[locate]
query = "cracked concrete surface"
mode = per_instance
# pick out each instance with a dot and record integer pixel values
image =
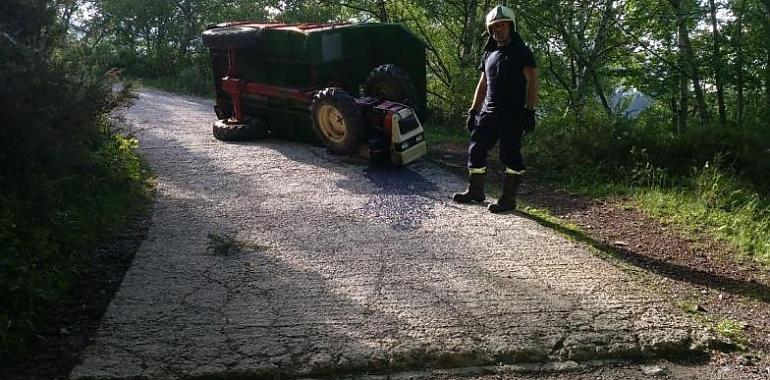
(361, 270)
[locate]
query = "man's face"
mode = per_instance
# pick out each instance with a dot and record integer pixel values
(501, 32)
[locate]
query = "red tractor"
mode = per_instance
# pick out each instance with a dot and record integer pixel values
(356, 88)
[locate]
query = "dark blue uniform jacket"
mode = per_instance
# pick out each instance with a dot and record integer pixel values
(506, 84)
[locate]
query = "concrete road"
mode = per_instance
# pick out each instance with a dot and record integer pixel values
(347, 269)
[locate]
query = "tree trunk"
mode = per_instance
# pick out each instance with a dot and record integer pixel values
(675, 115)
(66, 9)
(739, 64)
(717, 64)
(684, 88)
(684, 95)
(602, 35)
(382, 12)
(767, 48)
(469, 33)
(587, 60)
(600, 93)
(188, 26)
(688, 61)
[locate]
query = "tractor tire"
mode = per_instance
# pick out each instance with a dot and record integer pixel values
(231, 37)
(226, 111)
(337, 121)
(389, 82)
(239, 132)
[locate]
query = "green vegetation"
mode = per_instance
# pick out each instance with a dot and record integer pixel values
(68, 181)
(735, 216)
(437, 134)
(707, 181)
(226, 245)
(186, 82)
(734, 330)
(688, 307)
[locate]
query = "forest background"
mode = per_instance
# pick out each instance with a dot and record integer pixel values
(697, 153)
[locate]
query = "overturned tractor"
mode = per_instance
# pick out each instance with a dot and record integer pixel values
(359, 89)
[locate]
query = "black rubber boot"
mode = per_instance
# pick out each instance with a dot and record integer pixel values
(475, 192)
(507, 201)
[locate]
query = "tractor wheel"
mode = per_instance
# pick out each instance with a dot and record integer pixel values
(389, 82)
(239, 132)
(231, 37)
(337, 121)
(226, 111)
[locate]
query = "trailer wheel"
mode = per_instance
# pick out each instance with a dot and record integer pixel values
(253, 130)
(231, 37)
(337, 121)
(225, 111)
(389, 82)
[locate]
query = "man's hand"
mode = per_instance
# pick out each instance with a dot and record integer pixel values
(528, 119)
(470, 121)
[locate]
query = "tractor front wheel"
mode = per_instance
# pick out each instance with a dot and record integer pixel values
(337, 121)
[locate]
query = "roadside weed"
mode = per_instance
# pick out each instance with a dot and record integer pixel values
(437, 134)
(687, 306)
(733, 330)
(718, 205)
(226, 245)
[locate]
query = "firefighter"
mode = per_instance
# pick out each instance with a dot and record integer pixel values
(503, 109)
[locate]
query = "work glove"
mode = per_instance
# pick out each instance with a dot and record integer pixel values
(528, 120)
(470, 122)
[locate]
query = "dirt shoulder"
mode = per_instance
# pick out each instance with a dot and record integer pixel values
(56, 349)
(700, 275)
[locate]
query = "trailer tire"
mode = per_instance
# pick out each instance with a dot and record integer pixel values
(231, 37)
(337, 121)
(239, 132)
(390, 82)
(225, 111)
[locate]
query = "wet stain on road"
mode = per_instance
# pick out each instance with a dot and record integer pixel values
(402, 199)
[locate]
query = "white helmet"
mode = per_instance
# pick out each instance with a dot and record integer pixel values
(501, 13)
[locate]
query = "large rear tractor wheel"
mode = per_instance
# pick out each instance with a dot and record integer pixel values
(389, 82)
(337, 121)
(254, 129)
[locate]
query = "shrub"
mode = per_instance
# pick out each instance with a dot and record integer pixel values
(66, 179)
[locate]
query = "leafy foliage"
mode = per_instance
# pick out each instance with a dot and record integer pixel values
(65, 178)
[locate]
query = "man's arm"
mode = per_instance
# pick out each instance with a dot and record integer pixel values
(532, 87)
(481, 92)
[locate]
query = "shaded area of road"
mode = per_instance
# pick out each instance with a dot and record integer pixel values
(348, 268)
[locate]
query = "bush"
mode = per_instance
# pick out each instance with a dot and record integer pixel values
(638, 150)
(66, 179)
(710, 179)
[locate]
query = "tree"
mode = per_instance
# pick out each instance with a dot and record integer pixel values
(583, 36)
(717, 63)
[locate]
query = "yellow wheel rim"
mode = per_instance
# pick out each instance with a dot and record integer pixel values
(332, 123)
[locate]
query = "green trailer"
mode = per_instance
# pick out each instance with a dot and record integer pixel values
(345, 85)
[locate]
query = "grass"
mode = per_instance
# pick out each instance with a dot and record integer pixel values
(734, 330)
(46, 251)
(731, 329)
(711, 202)
(687, 306)
(227, 245)
(437, 134)
(188, 82)
(744, 226)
